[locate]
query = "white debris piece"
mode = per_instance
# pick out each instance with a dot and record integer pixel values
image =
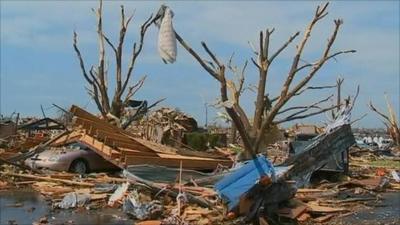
(73, 199)
(395, 176)
(118, 194)
(166, 38)
(343, 117)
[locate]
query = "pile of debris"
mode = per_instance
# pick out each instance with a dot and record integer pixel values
(140, 199)
(165, 126)
(344, 195)
(163, 185)
(19, 135)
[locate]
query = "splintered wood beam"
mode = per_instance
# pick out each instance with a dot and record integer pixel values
(121, 149)
(98, 146)
(34, 177)
(126, 151)
(115, 140)
(81, 114)
(90, 125)
(67, 138)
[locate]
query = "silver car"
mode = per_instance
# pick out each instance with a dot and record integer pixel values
(75, 157)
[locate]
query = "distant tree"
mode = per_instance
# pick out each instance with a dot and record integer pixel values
(267, 108)
(97, 76)
(389, 121)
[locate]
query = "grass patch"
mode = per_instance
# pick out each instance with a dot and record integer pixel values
(386, 163)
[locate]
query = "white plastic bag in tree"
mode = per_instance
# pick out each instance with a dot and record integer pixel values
(166, 38)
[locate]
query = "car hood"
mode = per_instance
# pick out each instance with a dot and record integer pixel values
(54, 152)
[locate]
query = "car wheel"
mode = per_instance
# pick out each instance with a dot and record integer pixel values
(79, 166)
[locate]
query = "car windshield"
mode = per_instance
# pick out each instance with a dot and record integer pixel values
(77, 145)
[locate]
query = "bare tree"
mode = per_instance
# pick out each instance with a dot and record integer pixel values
(266, 108)
(97, 77)
(389, 121)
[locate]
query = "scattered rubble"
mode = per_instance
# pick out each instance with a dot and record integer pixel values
(253, 190)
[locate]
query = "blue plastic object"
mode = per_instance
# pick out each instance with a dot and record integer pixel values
(234, 185)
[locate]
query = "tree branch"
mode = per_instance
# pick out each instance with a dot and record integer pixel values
(211, 54)
(283, 47)
(110, 43)
(372, 107)
(285, 94)
(266, 42)
(319, 14)
(219, 75)
(100, 68)
(305, 116)
(137, 49)
(355, 97)
(314, 105)
(321, 62)
(197, 57)
(356, 120)
(133, 89)
(81, 62)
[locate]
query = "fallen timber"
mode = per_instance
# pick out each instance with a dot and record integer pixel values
(42, 178)
(120, 148)
(123, 150)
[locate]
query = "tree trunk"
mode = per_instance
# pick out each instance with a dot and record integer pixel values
(233, 132)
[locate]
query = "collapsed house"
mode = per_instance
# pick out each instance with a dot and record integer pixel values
(7, 128)
(122, 149)
(25, 133)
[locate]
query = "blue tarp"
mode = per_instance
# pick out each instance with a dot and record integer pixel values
(234, 185)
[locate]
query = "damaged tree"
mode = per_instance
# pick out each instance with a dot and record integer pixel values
(97, 77)
(268, 108)
(389, 121)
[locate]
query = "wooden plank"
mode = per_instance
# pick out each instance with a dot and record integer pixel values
(98, 146)
(114, 141)
(157, 147)
(245, 205)
(101, 129)
(171, 156)
(125, 151)
(111, 136)
(324, 209)
(76, 111)
(67, 138)
(262, 221)
(69, 182)
(303, 217)
(114, 158)
(309, 190)
(83, 123)
(123, 143)
(80, 113)
(292, 213)
(90, 124)
(149, 222)
(118, 141)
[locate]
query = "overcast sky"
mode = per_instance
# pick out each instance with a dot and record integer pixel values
(39, 66)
